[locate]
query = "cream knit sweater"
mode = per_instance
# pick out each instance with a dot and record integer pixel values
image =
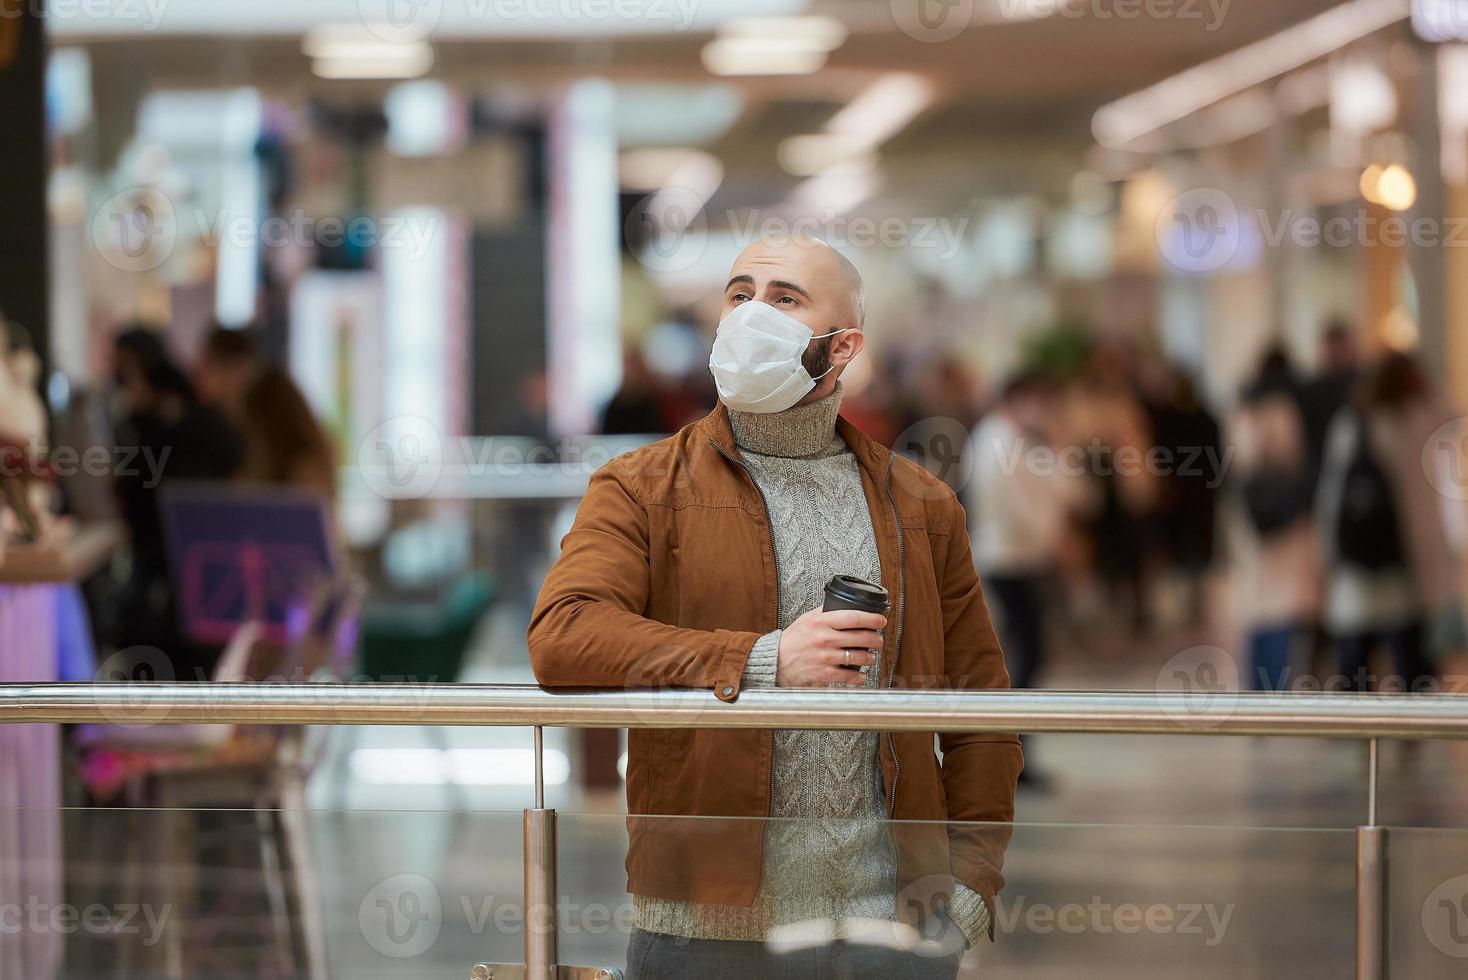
(828, 860)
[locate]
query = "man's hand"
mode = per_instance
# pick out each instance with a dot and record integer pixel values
(814, 648)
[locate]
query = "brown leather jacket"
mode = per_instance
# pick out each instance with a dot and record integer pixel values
(667, 578)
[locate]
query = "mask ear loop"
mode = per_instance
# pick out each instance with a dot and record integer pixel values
(822, 337)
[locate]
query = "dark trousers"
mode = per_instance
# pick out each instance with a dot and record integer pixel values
(1021, 603)
(1271, 656)
(1405, 643)
(654, 956)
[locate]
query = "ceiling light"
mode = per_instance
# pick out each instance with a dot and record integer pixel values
(413, 64)
(658, 167)
(814, 32)
(883, 109)
(353, 51)
(761, 56)
(811, 153)
(835, 191)
(1171, 99)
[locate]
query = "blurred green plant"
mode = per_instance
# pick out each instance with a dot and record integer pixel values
(1061, 350)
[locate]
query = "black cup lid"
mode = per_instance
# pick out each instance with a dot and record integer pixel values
(854, 589)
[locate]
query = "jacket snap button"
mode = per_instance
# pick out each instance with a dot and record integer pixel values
(728, 691)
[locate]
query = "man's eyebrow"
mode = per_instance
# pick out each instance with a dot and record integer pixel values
(743, 279)
(784, 284)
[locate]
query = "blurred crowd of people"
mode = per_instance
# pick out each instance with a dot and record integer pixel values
(1304, 517)
(231, 415)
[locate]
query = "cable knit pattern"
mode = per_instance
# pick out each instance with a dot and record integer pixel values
(828, 855)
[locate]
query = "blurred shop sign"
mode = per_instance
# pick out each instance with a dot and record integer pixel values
(484, 182)
(1440, 20)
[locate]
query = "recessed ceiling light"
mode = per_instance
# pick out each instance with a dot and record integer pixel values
(761, 56)
(811, 153)
(815, 32)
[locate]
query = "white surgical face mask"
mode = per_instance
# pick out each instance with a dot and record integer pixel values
(756, 359)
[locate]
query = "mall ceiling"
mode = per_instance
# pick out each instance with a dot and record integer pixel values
(1014, 97)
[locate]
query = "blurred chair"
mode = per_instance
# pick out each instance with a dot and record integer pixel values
(177, 769)
(424, 641)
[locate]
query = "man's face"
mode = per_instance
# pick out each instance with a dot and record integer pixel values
(802, 281)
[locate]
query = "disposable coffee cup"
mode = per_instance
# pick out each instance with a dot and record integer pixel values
(850, 592)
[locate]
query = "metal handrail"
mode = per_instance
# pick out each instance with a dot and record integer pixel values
(1366, 717)
(1347, 716)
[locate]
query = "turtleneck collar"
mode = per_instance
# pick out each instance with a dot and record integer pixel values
(805, 430)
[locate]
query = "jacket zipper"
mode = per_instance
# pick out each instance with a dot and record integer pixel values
(775, 558)
(897, 646)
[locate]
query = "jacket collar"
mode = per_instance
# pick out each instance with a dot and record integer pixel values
(870, 454)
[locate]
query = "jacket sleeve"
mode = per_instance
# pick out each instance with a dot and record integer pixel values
(980, 771)
(590, 627)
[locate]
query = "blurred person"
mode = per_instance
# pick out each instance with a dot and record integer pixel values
(1019, 506)
(1277, 577)
(1121, 434)
(284, 443)
(701, 562)
(876, 409)
(1018, 511)
(1390, 562)
(675, 353)
(1187, 522)
(228, 361)
(635, 408)
(22, 410)
(1324, 395)
(24, 425)
(167, 435)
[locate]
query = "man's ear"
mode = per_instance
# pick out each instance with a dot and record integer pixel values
(846, 346)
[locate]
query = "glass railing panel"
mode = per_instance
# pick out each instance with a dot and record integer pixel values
(146, 893)
(1093, 901)
(1427, 899)
(141, 893)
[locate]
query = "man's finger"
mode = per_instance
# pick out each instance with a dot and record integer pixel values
(853, 619)
(858, 658)
(856, 639)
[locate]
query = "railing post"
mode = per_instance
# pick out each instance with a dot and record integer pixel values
(540, 878)
(1371, 869)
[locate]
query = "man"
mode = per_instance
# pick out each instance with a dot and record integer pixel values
(700, 561)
